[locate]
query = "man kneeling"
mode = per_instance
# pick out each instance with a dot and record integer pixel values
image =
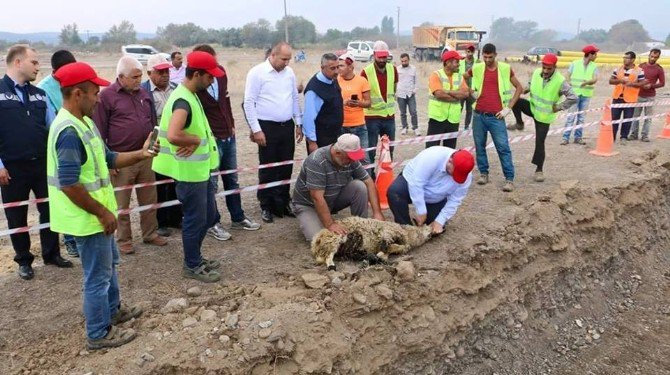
(331, 179)
(435, 182)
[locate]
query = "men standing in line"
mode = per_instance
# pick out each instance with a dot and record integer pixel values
(546, 88)
(188, 155)
(125, 116)
(177, 70)
(356, 97)
(273, 113)
(332, 179)
(216, 103)
(54, 104)
(447, 89)
(82, 202)
(492, 83)
(655, 77)
(408, 83)
(160, 88)
(24, 127)
(464, 66)
(435, 182)
(383, 78)
(627, 81)
(583, 75)
(324, 109)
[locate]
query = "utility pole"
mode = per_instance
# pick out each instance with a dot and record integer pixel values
(579, 24)
(285, 23)
(397, 38)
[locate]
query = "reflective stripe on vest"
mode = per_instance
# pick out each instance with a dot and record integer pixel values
(629, 93)
(504, 83)
(580, 75)
(439, 110)
(379, 106)
(544, 96)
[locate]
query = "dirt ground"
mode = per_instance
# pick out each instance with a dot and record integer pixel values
(569, 276)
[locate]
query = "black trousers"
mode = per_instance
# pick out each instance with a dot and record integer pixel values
(521, 106)
(441, 127)
(399, 201)
(627, 113)
(280, 146)
(541, 130)
(167, 216)
(27, 176)
(467, 105)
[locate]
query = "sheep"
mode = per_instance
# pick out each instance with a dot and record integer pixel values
(367, 239)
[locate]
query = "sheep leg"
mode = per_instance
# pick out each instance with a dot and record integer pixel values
(330, 263)
(397, 249)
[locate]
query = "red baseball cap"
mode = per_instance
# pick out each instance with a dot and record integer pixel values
(470, 47)
(205, 61)
(463, 164)
(382, 53)
(550, 59)
(448, 55)
(77, 72)
(590, 49)
(351, 144)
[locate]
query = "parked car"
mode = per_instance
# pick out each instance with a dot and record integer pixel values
(533, 54)
(142, 52)
(363, 51)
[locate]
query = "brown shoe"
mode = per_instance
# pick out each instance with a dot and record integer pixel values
(125, 313)
(127, 248)
(115, 337)
(157, 241)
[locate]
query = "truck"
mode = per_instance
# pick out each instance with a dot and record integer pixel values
(429, 42)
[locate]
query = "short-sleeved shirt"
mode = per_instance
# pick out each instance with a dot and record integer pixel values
(183, 104)
(489, 100)
(353, 116)
(319, 172)
(381, 79)
(435, 83)
(627, 73)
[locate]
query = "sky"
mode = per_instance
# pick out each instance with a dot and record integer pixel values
(147, 15)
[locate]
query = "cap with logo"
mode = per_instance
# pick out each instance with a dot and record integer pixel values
(157, 62)
(78, 72)
(351, 144)
(204, 61)
(463, 165)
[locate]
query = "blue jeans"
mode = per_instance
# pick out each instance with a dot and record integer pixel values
(68, 239)
(483, 124)
(99, 261)
(410, 102)
(361, 132)
(199, 207)
(581, 105)
(228, 160)
(377, 128)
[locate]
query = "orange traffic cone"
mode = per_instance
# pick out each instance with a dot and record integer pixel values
(605, 142)
(384, 172)
(665, 134)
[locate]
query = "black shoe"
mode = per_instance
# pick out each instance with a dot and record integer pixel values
(59, 262)
(288, 211)
(164, 231)
(266, 216)
(26, 272)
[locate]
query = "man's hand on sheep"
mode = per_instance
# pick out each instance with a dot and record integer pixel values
(420, 219)
(437, 227)
(337, 229)
(379, 216)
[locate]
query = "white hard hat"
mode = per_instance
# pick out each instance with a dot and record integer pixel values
(380, 45)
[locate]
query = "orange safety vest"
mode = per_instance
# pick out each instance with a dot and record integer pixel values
(629, 93)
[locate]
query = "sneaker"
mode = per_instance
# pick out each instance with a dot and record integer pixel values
(539, 176)
(579, 141)
(246, 224)
(483, 179)
(566, 141)
(218, 232)
(417, 132)
(201, 273)
(403, 131)
(71, 249)
(508, 186)
(115, 337)
(126, 313)
(644, 139)
(211, 264)
(632, 137)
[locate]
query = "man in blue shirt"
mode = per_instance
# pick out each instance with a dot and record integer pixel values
(436, 181)
(324, 110)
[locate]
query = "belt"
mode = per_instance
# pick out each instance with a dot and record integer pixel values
(280, 123)
(488, 114)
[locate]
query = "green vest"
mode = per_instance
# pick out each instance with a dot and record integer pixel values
(504, 83)
(66, 217)
(580, 75)
(381, 107)
(439, 110)
(194, 168)
(544, 96)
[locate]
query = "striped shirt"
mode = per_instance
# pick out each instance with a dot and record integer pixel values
(318, 172)
(627, 73)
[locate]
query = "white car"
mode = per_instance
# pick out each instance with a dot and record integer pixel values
(142, 52)
(362, 50)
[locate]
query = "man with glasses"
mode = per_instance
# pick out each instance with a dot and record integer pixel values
(627, 81)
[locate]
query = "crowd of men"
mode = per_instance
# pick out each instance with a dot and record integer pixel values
(67, 140)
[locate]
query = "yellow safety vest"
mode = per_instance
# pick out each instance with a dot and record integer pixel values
(580, 75)
(504, 83)
(381, 106)
(544, 96)
(439, 110)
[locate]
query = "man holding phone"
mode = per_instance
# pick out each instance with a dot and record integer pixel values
(356, 96)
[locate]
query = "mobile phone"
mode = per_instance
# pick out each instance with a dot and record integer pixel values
(153, 139)
(354, 97)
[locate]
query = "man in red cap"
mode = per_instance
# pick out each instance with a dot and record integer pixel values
(546, 88)
(446, 88)
(435, 182)
(331, 179)
(464, 66)
(583, 75)
(188, 155)
(82, 202)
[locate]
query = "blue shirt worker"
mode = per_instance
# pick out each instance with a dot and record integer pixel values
(436, 181)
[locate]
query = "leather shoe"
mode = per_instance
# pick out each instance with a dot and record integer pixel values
(26, 272)
(59, 262)
(288, 211)
(157, 241)
(266, 215)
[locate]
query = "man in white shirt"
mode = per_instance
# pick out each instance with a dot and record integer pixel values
(177, 70)
(407, 86)
(436, 181)
(273, 113)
